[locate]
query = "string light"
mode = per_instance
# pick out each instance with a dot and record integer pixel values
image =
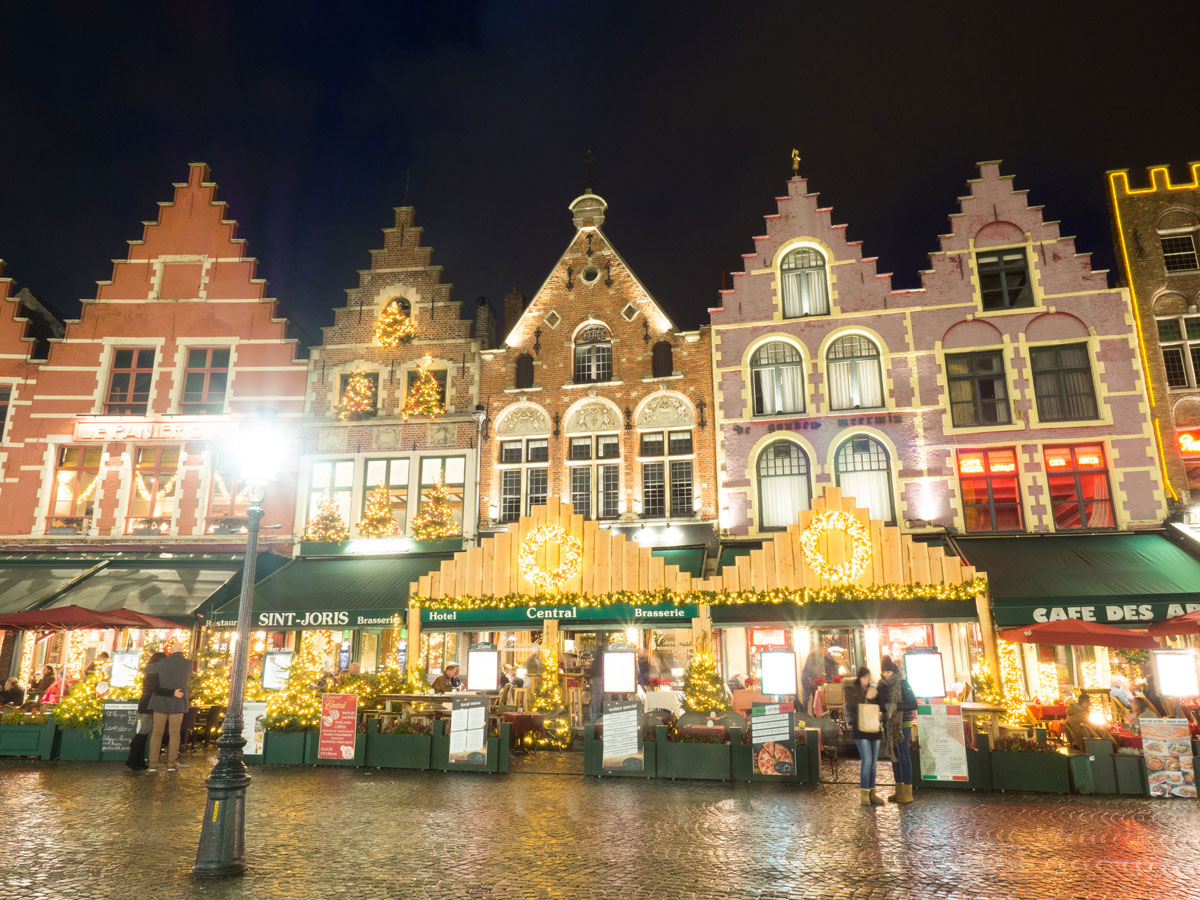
(703, 691)
(298, 706)
(425, 396)
(436, 516)
(377, 520)
(860, 543)
(394, 326)
(144, 492)
(327, 526)
(570, 547)
(1048, 681)
(358, 398)
(548, 700)
(27, 651)
(1091, 674)
(1015, 712)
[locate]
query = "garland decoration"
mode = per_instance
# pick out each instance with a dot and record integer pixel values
(570, 547)
(394, 326)
(860, 545)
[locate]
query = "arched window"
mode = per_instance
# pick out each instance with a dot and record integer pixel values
(864, 472)
(405, 306)
(777, 379)
(593, 355)
(524, 373)
(783, 485)
(805, 291)
(661, 364)
(855, 373)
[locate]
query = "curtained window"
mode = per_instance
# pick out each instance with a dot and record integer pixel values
(777, 379)
(783, 485)
(805, 287)
(593, 355)
(1062, 383)
(864, 472)
(855, 373)
(1079, 489)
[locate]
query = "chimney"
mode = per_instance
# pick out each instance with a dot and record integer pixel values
(484, 328)
(514, 305)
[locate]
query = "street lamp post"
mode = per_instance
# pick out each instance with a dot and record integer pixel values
(222, 844)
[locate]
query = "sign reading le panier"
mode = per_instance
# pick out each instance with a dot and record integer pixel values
(1108, 613)
(621, 612)
(134, 428)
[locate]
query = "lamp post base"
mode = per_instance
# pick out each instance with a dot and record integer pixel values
(222, 848)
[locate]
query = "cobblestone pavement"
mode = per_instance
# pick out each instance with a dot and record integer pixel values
(94, 830)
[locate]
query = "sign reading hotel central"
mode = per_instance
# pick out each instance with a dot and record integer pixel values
(620, 612)
(127, 428)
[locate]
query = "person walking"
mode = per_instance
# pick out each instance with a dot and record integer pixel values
(173, 673)
(136, 759)
(863, 715)
(899, 705)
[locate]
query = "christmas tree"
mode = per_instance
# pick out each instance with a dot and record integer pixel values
(425, 396)
(548, 700)
(436, 518)
(298, 706)
(394, 326)
(358, 398)
(377, 520)
(703, 691)
(327, 526)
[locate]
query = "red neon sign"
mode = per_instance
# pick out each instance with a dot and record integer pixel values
(1189, 442)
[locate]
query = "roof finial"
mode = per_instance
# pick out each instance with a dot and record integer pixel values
(795, 162)
(588, 160)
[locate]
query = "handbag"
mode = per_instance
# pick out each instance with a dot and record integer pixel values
(868, 718)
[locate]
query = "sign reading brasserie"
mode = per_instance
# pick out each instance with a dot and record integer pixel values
(1111, 613)
(133, 428)
(618, 611)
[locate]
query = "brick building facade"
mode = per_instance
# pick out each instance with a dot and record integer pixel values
(1005, 395)
(347, 459)
(1156, 226)
(595, 396)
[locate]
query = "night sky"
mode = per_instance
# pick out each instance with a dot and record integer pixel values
(316, 124)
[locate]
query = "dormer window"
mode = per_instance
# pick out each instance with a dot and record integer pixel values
(593, 355)
(805, 286)
(1004, 279)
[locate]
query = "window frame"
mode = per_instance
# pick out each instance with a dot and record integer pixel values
(1059, 372)
(588, 366)
(314, 494)
(523, 372)
(159, 507)
(786, 270)
(528, 464)
(1188, 348)
(461, 487)
(130, 406)
(441, 376)
(369, 485)
(762, 458)
(671, 475)
(838, 471)
(203, 407)
(1076, 471)
(87, 496)
(1189, 236)
(344, 379)
(774, 368)
(977, 401)
(831, 361)
(989, 477)
(1008, 301)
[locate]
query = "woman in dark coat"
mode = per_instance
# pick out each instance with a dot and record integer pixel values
(137, 747)
(861, 692)
(44, 683)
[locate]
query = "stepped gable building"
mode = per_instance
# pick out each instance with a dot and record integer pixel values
(1156, 226)
(596, 397)
(348, 454)
(1005, 395)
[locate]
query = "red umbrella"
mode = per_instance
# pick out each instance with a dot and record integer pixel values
(1077, 633)
(67, 618)
(1188, 623)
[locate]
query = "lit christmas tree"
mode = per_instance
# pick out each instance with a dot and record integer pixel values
(703, 691)
(327, 526)
(436, 518)
(358, 398)
(298, 706)
(548, 700)
(425, 396)
(377, 520)
(394, 326)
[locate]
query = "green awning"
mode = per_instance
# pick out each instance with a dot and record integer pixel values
(333, 592)
(849, 612)
(1119, 579)
(689, 559)
(24, 586)
(169, 591)
(731, 552)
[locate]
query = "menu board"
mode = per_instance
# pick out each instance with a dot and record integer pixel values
(778, 672)
(253, 729)
(1167, 746)
(1175, 672)
(622, 744)
(119, 726)
(124, 668)
(925, 675)
(483, 667)
(620, 672)
(773, 738)
(339, 721)
(943, 742)
(275, 670)
(468, 732)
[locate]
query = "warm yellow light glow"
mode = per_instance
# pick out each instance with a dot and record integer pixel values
(860, 541)
(570, 549)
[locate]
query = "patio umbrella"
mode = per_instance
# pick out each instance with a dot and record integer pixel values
(1076, 633)
(68, 618)
(1188, 623)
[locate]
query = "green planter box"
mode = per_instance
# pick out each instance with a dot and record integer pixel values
(742, 759)
(74, 744)
(287, 748)
(1131, 775)
(27, 740)
(711, 762)
(593, 759)
(1044, 772)
(1080, 766)
(360, 752)
(396, 751)
(498, 749)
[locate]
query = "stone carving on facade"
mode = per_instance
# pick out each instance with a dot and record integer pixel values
(524, 419)
(593, 417)
(442, 435)
(332, 440)
(665, 411)
(387, 437)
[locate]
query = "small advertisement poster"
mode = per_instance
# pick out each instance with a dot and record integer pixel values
(124, 668)
(252, 726)
(622, 745)
(275, 670)
(773, 738)
(119, 726)
(468, 732)
(943, 742)
(339, 721)
(1167, 746)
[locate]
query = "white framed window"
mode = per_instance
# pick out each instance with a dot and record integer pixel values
(1179, 338)
(392, 474)
(777, 379)
(855, 373)
(593, 355)
(804, 283)
(667, 474)
(864, 471)
(784, 487)
(1179, 253)
(595, 485)
(524, 476)
(336, 478)
(453, 471)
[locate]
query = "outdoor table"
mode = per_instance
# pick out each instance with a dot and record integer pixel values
(1128, 739)
(973, 711)
(668, 700)
(407, 701)
(522, 722)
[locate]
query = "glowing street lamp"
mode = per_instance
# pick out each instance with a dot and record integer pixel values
(259, 450)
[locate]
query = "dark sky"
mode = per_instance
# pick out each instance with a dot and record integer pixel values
(312, 121)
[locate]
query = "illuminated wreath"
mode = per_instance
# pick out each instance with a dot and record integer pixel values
(860, 545)
(569, 546)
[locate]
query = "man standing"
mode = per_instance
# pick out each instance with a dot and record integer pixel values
(173, 673)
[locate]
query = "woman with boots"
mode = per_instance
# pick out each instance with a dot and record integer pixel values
(137, 747)
(899, 706)
(863, 715)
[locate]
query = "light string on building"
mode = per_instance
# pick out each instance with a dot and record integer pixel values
(394, 326)
(570, 549)
(163, 492)
(853, 529)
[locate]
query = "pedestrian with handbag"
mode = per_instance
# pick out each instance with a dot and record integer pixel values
(899, 704)
(863, 714)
